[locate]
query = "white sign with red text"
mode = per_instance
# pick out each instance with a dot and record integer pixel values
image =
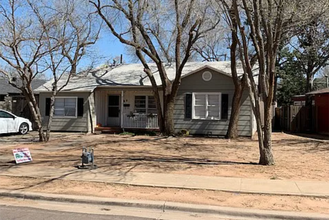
(22, 155)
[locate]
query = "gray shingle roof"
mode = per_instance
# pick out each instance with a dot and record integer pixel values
(6, 88)
(321, 91)
(130, 75)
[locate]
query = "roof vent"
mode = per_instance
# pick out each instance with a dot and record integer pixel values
(206, 76)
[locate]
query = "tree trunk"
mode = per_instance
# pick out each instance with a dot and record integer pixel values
(34, 108)
(161, 122)
(232, 132)
(264, 134)
(266, 155)
(169, 105)
(308, 99)
(50, 118)
(309, 81)
(73, 70)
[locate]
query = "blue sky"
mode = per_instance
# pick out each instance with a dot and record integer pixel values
(107, 48)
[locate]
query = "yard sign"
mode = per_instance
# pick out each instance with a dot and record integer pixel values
(22, 155)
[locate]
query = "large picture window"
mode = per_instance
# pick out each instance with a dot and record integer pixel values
(145, 105)
(206, 106)
(65, 107)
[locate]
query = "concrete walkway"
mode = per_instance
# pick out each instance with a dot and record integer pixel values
(229, 184)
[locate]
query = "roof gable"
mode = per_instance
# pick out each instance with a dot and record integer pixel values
(206, 67)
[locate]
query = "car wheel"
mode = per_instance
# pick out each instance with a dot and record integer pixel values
(24, 128)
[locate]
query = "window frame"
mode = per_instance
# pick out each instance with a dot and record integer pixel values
(146, 105)
(207, 105)
(76, 107)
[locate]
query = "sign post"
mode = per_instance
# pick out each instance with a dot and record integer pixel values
(22, 155)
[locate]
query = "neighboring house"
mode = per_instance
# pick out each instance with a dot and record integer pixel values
(11, 98)
(321, 103)
(122, 97)
(299, 100)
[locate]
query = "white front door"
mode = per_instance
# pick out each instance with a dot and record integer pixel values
(113, 111)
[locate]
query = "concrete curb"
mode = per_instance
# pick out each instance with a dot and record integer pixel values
(165, 206)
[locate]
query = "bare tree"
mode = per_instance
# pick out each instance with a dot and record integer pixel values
(21, 51)
(160, 31)
(265, 23)
(69, 28)
(81, 29)
(36, 37)
(215, 46)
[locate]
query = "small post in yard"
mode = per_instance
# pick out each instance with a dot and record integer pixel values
(87, 159)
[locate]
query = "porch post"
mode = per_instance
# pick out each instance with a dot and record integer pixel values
(121, 111)
(92, 113)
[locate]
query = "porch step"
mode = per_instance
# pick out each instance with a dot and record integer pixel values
(109, 130)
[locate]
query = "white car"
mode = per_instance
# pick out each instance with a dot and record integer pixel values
(10, 123)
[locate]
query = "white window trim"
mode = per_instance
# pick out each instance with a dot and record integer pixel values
(146, 105)
(207, 93)
(76, 107)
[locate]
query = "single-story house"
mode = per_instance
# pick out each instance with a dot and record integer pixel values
(121, 96)
(321, 103)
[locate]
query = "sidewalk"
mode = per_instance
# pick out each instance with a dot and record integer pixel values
(228, 184)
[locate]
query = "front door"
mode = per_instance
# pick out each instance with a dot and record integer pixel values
(113, 111)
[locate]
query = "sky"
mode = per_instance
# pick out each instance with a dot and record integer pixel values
(106, 48)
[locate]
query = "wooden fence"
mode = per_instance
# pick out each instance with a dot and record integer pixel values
(296, 119)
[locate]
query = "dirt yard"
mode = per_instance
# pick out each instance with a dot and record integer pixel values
(297, 158)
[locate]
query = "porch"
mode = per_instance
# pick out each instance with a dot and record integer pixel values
(126, 109)
(136, 120)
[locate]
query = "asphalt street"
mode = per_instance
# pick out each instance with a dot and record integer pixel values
(23, 213)
(25, 209)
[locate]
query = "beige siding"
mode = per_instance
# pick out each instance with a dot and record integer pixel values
(79, 124)
(101, 101)
(218, 83)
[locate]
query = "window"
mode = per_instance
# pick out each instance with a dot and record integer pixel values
(5, 115)
(151, 105)
(206, 106)
(66, 107)
(2, 98)
(145, 105)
